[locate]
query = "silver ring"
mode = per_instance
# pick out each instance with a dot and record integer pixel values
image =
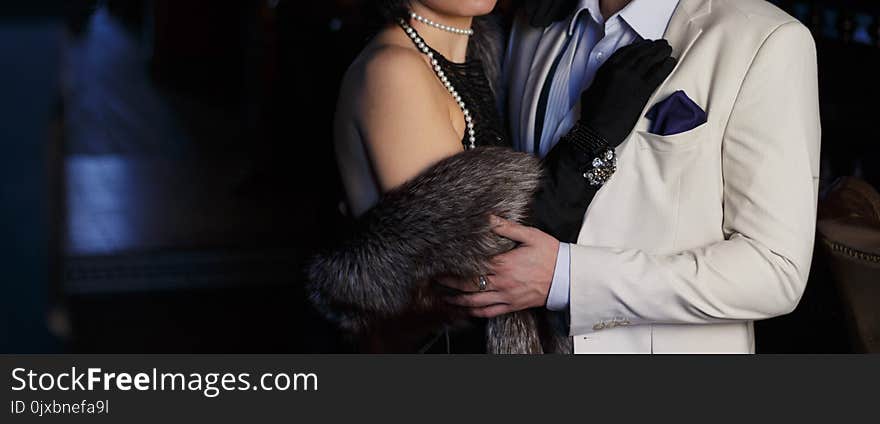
(484, 283)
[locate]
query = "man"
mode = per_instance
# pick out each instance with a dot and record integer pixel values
(707, 224)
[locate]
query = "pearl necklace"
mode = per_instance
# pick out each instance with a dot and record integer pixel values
(440, 26)
(469, 120)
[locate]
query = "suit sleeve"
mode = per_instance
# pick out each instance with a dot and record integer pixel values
(770, 155)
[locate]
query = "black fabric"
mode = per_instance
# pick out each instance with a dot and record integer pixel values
(556, 203)
(470, 340)
(612, 106)
(542, 13)
(623, 85)
(470, 81)
(564, 194)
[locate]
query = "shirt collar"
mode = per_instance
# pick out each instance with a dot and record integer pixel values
(591, 7)
(648, 18)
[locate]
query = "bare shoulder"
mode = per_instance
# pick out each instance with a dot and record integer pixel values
(386, 58)
(391, 83)
(399, 109)
(392, 73)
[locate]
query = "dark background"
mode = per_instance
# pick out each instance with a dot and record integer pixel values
(167, 169)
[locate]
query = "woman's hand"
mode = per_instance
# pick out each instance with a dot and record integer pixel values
(623, 85)
(520, 279)
(611, 108)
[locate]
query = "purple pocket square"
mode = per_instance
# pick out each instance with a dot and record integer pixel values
(675, 115)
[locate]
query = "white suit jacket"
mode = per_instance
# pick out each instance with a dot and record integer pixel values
(701, 233)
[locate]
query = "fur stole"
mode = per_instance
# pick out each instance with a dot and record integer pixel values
(436, 225)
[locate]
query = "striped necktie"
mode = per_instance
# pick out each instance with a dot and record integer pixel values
(559, 95)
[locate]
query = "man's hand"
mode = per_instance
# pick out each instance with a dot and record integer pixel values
(520, 278)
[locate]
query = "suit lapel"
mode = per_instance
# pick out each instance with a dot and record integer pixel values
(685, 28)
(683, 31)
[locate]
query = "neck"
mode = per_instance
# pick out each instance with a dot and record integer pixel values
(452, 46)
(610, 7)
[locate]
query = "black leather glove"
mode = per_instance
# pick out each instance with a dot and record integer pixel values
(622, 87)
(542, 13)
(611, 107)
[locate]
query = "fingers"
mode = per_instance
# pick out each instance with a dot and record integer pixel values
(460, 284)
(661, 71)
(627, 53)
(659, 51)
(641, 55)
(651, 60)
(476, 300)
(511, 230)
(490, 311)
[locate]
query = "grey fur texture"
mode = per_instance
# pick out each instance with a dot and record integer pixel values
(435, 225)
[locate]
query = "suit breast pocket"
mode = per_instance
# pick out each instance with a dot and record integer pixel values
(672, 143)
(667, 157)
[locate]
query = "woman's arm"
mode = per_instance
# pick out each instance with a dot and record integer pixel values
(403, 117)
(612, 106)
(435, 224)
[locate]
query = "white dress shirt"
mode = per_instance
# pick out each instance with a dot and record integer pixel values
(592, 39)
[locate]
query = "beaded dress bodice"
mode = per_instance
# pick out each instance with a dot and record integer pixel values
(470, 80)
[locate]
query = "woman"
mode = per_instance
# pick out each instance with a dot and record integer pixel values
(391, 93)
(419, 143)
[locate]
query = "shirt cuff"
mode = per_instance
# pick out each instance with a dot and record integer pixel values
(560, 295)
